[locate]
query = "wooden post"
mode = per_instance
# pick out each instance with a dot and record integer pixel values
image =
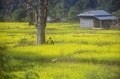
(117, 22)
(101, 24)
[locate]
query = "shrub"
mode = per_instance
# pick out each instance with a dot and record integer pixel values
(4, 65)
(22, 42)
(31, 75)
(3, 47)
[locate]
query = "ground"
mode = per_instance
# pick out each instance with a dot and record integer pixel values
(77, 53)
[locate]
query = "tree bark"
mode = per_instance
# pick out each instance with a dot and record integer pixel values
(41, 16)
(40, 34)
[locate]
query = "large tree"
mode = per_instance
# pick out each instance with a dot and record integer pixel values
(40, 20)
(40, 9)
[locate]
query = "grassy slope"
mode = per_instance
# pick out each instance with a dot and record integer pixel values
(72, 44)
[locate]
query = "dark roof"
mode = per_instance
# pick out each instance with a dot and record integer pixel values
(99, 14)
(94, 13)
(106, 17)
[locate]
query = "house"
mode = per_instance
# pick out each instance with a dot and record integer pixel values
(49, 19)
(96, 19)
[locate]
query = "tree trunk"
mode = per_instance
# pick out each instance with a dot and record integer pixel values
(40, 34)
(41, 16)
(40, 9)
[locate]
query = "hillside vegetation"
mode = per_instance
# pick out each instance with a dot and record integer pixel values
(16, 10)
(76, 54)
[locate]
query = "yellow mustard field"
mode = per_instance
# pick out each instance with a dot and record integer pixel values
(77, 53)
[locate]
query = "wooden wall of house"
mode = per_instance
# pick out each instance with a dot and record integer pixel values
(106, 24)
(96, 23)
(86, 22)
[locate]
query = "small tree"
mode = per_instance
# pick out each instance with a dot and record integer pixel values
(117, 13)
(72, 14)
(19, 15)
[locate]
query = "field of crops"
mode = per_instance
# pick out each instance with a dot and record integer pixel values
(77, 53)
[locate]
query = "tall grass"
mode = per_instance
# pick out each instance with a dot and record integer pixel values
(69, 71)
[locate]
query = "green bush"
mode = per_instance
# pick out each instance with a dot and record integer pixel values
(4, 67)
(31, 75)
(3, 47)
(19, 15)
(22, 42)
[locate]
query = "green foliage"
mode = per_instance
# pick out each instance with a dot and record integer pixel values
(3, 46)
(22, 42)
(117, 14)
(31, 75)
(74, 7)
(57, 8)
(19, 15)
(92, 4)
(1, 17)
(4, 65)
(72, 15)
(115, 5)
